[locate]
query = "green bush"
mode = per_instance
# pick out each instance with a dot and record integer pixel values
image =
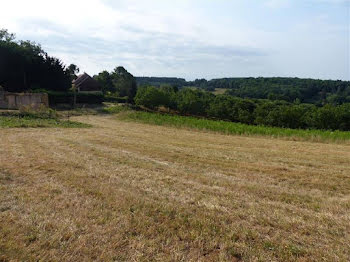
(193, 102)
(68, 98)
(60, 98)
(115, 99)
(115, 109)
(332, 117)
(90, 98)
(257, 112)
(40, 113)
(151, 97)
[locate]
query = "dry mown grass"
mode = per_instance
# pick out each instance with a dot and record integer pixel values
(133, 192)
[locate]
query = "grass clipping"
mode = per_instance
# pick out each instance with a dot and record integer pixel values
(127, 191)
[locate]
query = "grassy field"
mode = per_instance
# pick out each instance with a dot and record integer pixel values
(128, 191)
(42, 118)
(29, 122)
(233, 128)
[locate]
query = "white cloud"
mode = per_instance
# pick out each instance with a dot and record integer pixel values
(197, 38)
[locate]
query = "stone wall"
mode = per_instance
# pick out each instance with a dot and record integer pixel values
(18, 100)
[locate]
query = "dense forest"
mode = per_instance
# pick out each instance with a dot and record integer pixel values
(318, 92)
(159, 81)
(278, 113)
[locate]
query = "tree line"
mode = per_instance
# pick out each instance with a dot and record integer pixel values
(24, 66)
(312, 91)
(159, 81)
(318, 92)
(277, 113)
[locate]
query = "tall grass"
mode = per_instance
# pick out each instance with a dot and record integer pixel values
(30, 122)
(233, 128)
(115, 109)
(34, 118)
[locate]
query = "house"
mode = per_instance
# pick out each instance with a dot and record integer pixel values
(85, 83)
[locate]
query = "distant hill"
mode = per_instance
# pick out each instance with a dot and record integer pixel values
(158, 81)
(274, 88)
(279, 88)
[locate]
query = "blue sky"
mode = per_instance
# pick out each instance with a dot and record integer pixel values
(190, 38)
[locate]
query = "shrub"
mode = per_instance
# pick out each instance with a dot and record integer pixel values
(193, 102)
(68, 98)
(60, 98)
(90, 98)
(259, 112)
(41, 112)
(115, 109)
(151, 97)
(115, 99)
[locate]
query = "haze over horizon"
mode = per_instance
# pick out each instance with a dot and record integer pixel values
(190, 39)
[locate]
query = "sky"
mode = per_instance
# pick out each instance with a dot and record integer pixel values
(190, 38)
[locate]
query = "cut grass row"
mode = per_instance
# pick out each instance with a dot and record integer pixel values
(127, 191)
(30, 122)
(233, 128)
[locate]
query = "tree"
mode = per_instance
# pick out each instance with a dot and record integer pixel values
(25, 66)
(124, 83)
(73, 71)
(151, 97)
(119, 82)
(6, 36)
(194, 102)
(105, 80)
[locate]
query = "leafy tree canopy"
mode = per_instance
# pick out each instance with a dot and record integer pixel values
(189, 101)
(118, 82)
(73, 71)
(25, 66)
(318, 92)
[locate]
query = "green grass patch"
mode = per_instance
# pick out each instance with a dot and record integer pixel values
(35, 118)
(115, 109)
(32, 122)
(233, 128)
